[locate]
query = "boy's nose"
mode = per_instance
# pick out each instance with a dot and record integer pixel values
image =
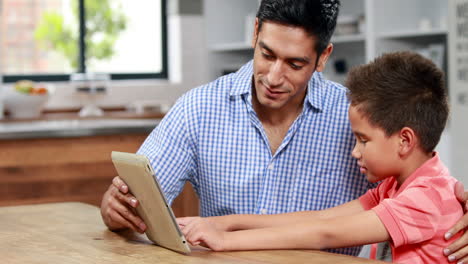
(355, 153)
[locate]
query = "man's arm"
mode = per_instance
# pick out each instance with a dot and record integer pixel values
(168, 149)
(458, 250)
(358, 229)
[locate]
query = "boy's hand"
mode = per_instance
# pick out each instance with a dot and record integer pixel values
(202, 231)
(458, 250)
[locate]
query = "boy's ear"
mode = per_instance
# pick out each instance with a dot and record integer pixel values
(407, 141)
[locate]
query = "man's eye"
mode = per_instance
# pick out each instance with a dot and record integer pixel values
(267, 56)
(295, 67)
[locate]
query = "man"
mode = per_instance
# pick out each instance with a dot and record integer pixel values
(273, 137)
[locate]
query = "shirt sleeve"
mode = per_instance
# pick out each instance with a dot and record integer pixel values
(170, 149)
(412, 216)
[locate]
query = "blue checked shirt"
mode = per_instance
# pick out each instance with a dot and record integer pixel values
(213, 138)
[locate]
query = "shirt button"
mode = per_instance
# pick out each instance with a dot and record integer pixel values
(263, 211)
(271, 166)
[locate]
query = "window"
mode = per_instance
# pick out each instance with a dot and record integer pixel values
(47, 40)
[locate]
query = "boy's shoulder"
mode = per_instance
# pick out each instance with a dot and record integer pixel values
(442, 184)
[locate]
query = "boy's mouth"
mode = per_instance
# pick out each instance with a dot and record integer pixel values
(362, 168)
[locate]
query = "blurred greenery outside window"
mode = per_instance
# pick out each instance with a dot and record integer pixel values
(41, 39)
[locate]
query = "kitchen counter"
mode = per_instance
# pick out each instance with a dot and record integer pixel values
(59, 125)
(75, 127)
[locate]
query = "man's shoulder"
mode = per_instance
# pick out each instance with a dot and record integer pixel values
(332, 94)
(336, 91)
(212, 90)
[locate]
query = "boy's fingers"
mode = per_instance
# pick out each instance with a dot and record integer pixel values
(184, 220)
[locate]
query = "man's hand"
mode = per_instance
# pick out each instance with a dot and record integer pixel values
(202, 231)
(118, 208)
(458, 250)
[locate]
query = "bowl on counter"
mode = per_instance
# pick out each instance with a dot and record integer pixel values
(23, 104)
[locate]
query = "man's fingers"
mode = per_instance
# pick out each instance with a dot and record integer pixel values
(460, 225)
(463, 260)
(116, 217)
(120, 184)
(460, 192)
(457, 249)
(124, 198)
(126, 213)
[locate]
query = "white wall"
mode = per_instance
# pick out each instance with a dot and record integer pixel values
(187, 52)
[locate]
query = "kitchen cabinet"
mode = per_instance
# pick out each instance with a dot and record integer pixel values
(63, 169)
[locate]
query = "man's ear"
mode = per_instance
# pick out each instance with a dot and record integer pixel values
(324, 58)
(255, 33)
(407, 140)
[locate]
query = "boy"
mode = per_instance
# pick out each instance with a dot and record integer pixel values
(398, 111)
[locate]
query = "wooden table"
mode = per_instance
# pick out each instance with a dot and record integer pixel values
(75, 233)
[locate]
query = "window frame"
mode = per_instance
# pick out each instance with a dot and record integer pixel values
(163, 74)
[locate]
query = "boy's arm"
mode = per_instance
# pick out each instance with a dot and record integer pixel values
(241, 222)
(358, 229)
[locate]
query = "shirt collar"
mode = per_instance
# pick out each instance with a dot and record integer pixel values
(242, 85)
(431, 167)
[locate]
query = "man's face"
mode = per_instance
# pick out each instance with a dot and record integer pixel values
(284, 61)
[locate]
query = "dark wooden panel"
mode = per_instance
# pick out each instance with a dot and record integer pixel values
(68, 169)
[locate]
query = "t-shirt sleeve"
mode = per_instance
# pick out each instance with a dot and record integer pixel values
(413, 215)
(373, 196)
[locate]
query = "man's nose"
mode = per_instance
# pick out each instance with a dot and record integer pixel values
(276, 74)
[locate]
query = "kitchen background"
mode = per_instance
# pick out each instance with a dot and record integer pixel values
(205, 38)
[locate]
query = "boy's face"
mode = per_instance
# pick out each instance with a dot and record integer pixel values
(377, 155)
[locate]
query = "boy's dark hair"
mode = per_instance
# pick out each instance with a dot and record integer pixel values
(317, 17)
(402, 89)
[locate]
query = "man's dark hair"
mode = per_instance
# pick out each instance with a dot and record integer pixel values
(401, 89)
(316, 17)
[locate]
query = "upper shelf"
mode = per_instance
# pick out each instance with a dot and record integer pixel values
(412, 33)
(348, 38)
(234, 46)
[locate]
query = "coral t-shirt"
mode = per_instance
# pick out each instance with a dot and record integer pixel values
(418, 214)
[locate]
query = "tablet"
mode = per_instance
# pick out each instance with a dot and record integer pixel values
(161, 225)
